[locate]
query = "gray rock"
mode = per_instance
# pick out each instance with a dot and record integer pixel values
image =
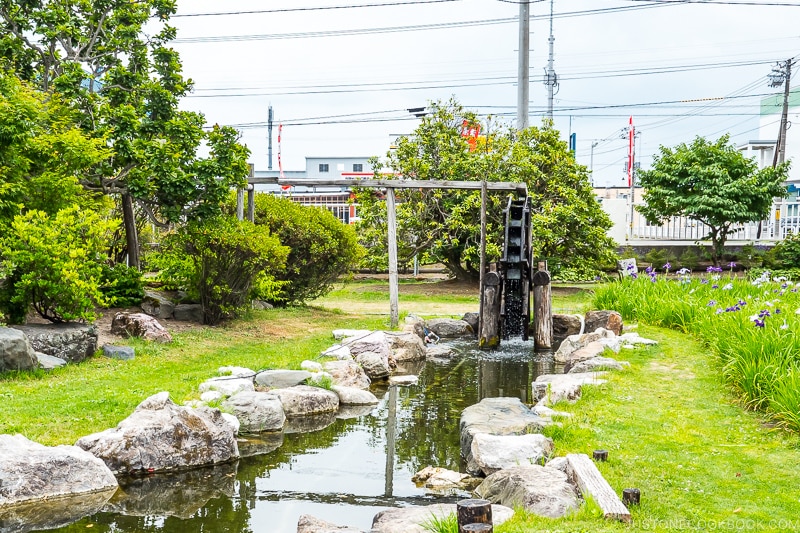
(32, 472)
(559, 463)
(189, 313)
(302, 400)
(236, 371)
(309, 423)
(308, 524)
(411, 519)
(280, 379)
(634, 338)
(233, 422)
(354, 396)
(261, 305)
(339, 352)
(590, 351)
(566, 325)
(340, 334)
(406, 346)
(610, 320)
(449, 327)
(438, 478)
(549, 389)
(311, 366)
(157, 304)
(161, 436)
(540, 490)
(416, 326)
(124, 353)
(228, 386)
(496, 416)
(597, 363)
(576, 342)
(372, 352)
(139, 325)
(71, 342)
(347, 374)
(16, 352)
(496, 452)
(48, 362)
(472, 319)
(438, 351)
(375, 364)
(256, 411)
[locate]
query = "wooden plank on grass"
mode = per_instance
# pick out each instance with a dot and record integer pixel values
(592, 483)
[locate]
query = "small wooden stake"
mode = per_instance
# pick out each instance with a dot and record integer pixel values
(483, 528)
(600, 455)
(631, 496)
(472, 512)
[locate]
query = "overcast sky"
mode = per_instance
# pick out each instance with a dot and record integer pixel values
(341, 78)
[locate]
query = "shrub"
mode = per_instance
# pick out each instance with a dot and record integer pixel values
(787, 252)
(122, 285)
(53, 264)
(221, 259)
(322, 248)
(689, 259)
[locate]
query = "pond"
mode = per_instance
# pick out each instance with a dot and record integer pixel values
(342, 470)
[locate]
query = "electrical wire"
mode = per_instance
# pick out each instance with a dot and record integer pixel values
(318, 8)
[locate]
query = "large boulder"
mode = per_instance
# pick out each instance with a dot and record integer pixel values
(496, 452)
(413, 519)
(441, 479)
(595, 364)
(189, 313)
(161, 436)
(610, 320)
(372, 352)
(449, 327)
(280, 379)
(15, 351)
(158, 305)
(574, 343)
(71, 342)
(139, 325)
(495, 416)
(473, 319)
(228, 385)
(354, 396)
(549, 389)
(406, 346)
(256, 411)
(302, 400)
(347, 374)
(540, 490)
(309, 524)
(30, 471)
(566, 325)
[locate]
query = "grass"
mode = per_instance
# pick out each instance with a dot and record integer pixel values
(60, 406)
(674, 431)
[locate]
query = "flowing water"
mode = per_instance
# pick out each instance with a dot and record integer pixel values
(342, 470)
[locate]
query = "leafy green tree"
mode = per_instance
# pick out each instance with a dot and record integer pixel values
(321, 248)
(444, 225)
(54, 264)
(111, 60)
(712, 182)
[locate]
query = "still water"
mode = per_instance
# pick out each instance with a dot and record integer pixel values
(342, 470)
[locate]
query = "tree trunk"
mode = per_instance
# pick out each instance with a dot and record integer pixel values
(131, 233)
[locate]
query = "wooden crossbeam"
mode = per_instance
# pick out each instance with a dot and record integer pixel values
(520, 188)
(592, 483)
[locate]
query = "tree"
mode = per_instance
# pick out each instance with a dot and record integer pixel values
(711, 182)
(126, 82)
(444, 225)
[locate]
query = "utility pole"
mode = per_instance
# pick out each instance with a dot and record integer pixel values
(781, 74)
(523, 74)
(591, 161)
(269, 137)
(550, 77)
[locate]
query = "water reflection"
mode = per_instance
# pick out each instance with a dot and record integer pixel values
(341, 468)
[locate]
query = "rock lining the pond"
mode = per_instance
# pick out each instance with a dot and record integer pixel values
(256, 411)
(411, 519)
(303, 400)
(347, 374)
(549, 389)
(404, 380)
(309, 524)
(161, 436)
(354, 396)
(596, 363)
(439, 352)
(539, 489)
(472, 319)
(339, 352)
(340, 334)
(573, 343)
(495, 416)
(372, 352)
(30, 472)
(566, 325)
(279, 379)
(228, 385)
(449, 327)
(492, 453)
(606, 319)
(40, 515)
(406, 346)
(309, 423)
(439, 479)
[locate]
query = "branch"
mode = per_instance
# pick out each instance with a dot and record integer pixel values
(151, 215)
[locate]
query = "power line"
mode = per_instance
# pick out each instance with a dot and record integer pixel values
(721, 2)
(319, 8)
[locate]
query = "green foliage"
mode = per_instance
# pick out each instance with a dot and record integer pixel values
(220, 259)
(321, 249)
(54, 264)
(658, 257)
(122, 285)
(786, 254)
(689, 259)
(441, 524)
(750, 256)
(322, 380)
(712, 182)
(443, 226)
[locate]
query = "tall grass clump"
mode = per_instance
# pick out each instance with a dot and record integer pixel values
(751, 327)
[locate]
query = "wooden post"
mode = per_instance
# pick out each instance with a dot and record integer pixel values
(631, 496)
(393, 281)
(542, 308)
(240, 204)
(592, 484)
(600, 455)
(473, 512)
(251, 203)
(489, 332)
(483, 253)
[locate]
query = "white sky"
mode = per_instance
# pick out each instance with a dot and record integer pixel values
(377, 76)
